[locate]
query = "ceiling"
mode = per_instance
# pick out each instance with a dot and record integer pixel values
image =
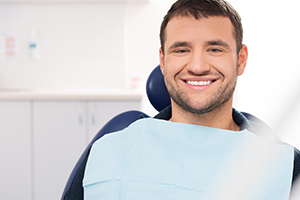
(69, 1)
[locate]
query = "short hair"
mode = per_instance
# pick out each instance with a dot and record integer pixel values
(204, 8)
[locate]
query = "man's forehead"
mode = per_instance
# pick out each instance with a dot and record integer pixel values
(217, 23)
(178, 20)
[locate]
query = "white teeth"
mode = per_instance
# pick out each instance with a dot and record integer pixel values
(198, 82)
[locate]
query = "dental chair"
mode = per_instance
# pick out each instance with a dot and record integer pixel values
(160, 99)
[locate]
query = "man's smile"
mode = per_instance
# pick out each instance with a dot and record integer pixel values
(198, 83)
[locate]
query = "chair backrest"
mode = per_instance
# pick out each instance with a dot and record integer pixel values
(156, 90)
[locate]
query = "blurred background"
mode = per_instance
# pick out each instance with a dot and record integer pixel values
(88, 60)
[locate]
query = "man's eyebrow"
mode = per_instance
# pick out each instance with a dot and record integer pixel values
(218, 43)
(179, 44)
(211, 42)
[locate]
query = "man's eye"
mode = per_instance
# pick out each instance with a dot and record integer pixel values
(215, 50)
(181, 51)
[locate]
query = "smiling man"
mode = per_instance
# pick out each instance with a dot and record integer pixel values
(199, 147)
(200, 62)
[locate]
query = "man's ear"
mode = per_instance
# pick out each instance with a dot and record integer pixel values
(161, 60)
(243, 57)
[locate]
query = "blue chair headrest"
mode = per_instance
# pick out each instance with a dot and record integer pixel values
(156, 90)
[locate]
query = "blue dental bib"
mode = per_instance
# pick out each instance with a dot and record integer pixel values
(156, 159)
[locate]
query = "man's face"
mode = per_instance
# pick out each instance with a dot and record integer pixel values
(200, 63)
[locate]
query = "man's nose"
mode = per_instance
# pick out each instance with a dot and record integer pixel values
(198, 64)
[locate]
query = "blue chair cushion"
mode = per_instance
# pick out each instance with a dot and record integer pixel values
(156, 90)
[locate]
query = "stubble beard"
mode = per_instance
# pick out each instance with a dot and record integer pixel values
(210, 104)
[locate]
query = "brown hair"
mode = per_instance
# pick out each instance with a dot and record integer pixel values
(203, 8)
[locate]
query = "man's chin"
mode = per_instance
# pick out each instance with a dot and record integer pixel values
(198, 110)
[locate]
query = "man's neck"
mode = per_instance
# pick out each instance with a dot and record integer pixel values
(221, 118)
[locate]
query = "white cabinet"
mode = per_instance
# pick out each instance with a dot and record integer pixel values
(62, 130)
(59, 129)
(15, 150)
(41, 141)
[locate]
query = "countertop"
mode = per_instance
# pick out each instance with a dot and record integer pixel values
(68, 94)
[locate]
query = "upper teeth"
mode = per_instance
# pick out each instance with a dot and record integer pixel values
(199, 82)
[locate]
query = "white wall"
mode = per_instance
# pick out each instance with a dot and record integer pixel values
(269, 88)
(142, 34)
(103, 45)
(82, 45)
